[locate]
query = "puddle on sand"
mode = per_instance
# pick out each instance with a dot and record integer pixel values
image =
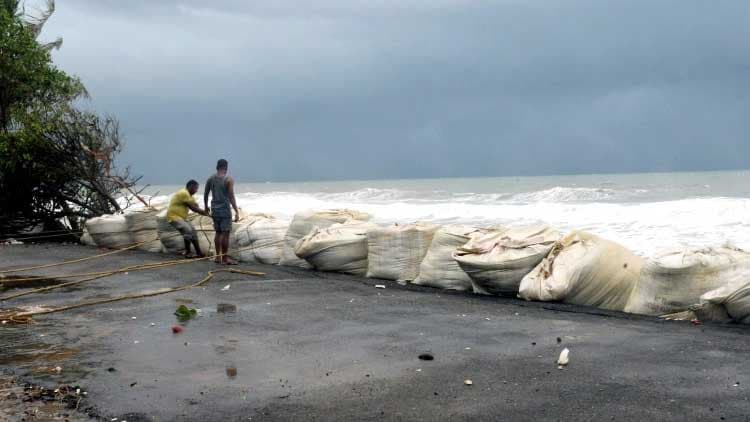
(231, 371)
(37, 356)
(22, 281)
(184, 301)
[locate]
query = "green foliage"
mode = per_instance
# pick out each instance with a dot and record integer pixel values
(28, 79)
(184, 313)
(55, 161)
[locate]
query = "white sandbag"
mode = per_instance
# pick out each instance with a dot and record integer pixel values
(204, 229)
(341, 247)
(143, 228)
(268, 239)
(673, 280)
(304, 222)
(141, 219)
(395, 252)
(86, 238)
(109, 231)
(733, 298)
(438, 268)
(497, 261)
(241, 242)
(584, 269)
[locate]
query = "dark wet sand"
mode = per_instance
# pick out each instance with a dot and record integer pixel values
(305, 345)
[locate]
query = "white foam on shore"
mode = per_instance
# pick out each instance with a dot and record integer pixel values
(644, 227)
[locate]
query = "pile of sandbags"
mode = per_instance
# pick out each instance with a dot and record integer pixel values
(109, 231)
(674, 280)
(143, 229)
(438, 268)
(340, 247)
(395, 252)
(497, 261)
(259, 238)
(584, 269)
(304, 222)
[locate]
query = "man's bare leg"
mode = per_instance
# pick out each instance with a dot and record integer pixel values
(217, 248)
(225, 248)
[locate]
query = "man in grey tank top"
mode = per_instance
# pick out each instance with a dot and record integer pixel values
(221, 188)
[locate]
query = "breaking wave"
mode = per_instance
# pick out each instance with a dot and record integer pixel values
(620, 215)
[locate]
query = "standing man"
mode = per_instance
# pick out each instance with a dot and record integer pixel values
(221, 188)
(179, 205)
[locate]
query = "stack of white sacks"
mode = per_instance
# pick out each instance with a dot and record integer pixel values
(532, 262)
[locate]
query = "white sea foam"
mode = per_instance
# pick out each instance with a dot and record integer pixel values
(642, 216)
(643, 227)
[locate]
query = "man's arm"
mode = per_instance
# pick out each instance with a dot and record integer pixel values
(230, 192)
(206, 191)
(196, 209)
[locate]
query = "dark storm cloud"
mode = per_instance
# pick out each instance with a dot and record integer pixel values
(415, 88)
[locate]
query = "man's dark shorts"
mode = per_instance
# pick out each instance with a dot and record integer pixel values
(222, 221)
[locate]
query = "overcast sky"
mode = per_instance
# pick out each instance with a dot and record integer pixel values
(359, 89)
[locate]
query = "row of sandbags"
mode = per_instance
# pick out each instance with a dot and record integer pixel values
(123, 230)
(532, 262)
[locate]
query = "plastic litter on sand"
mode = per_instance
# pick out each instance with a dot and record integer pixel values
(564, 359)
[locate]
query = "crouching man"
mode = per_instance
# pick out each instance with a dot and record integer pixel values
(180, 205)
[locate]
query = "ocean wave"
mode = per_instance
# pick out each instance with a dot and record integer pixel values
(643, 227)
(567, 194)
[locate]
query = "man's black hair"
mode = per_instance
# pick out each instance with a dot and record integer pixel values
(222, 164)
(191, 182)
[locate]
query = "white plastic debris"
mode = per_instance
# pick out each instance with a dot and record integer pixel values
(225, 288)
(468, 382)
(564, 359)
(153, 324)
(5, 322)
(380, 286)
(58, 369)
(136, 342)
(78, 391)
(133, 318)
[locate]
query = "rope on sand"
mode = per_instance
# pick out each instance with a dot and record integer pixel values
(73, 261)
(101, 274)
(26, 317)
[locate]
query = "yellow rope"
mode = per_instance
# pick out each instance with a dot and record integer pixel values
(73, 261)
(38, 237)
(25, 317)
(101, 274)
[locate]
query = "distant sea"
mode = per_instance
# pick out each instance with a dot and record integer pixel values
(645, 212)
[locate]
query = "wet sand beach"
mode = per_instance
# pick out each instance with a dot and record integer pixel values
(306, 345)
